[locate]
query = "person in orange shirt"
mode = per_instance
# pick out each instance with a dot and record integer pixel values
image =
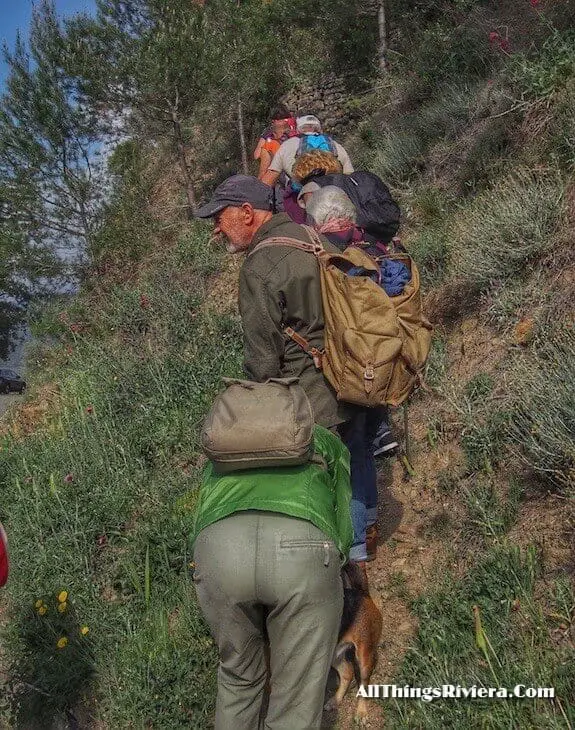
(283, 126)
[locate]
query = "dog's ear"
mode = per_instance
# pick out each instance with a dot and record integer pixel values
(355, 577)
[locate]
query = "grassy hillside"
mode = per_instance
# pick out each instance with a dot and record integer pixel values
(474, 129)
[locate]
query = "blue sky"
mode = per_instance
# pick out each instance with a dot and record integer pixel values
(15, 15)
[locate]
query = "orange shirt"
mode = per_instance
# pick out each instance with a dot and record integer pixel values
(271, 145)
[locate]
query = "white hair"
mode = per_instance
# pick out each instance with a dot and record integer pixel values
(330, 203)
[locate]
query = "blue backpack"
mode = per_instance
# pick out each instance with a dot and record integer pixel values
(313, 142)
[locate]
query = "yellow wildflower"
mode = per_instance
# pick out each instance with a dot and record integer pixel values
(42, 610)
(38, 603)
(62, 642)
(84, 630)
(62, 596)
(62, 607)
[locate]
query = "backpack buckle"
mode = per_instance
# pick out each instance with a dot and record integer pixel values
(317, 356)
(368, 376)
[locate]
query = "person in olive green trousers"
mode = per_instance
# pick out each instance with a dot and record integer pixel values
(269, 546)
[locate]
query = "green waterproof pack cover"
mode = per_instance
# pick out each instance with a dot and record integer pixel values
(253, 425)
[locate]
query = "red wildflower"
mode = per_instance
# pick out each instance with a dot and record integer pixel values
(69, 478)
(534, 3)
(144, 301)
(498, 41)
(89, 409)
(75, 328)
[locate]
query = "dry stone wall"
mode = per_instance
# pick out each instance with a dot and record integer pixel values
(328, 98)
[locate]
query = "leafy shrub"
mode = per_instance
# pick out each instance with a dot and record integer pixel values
(540, 75)
(500, 232)
(452, 51)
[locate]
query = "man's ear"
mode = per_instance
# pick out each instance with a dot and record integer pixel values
(248, 213)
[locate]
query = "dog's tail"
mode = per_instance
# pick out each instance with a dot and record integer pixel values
(346, 652)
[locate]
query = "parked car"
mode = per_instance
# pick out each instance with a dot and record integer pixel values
(11, 382)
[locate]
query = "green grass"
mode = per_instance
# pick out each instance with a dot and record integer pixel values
(437, 362)
(99, 501)
(430, 250)
(491, 513)
(105, 493)
(503, 231)
(542, 428)
(399, 153)
(519, 651)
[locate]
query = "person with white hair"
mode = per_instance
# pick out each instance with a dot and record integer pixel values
(331, 212)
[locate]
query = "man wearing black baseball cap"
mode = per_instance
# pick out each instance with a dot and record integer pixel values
(279, 289)
(239, 207)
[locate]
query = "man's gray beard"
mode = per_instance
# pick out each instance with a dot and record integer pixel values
(235, 247)
(231, 247)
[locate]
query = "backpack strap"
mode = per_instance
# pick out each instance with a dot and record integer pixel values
(301, 145)
(315, 354)
(317, 249)
(285, 241)
(332, 147)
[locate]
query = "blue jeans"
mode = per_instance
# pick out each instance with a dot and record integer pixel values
(358, 434)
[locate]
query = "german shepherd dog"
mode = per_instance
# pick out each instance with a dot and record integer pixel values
(356, 653)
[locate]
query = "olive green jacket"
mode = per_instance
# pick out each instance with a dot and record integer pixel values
(310, 492)
(280, 287)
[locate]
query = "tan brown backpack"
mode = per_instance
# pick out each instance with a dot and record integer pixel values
(375, 346)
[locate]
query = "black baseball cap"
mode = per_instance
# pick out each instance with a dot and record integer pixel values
(235, 191)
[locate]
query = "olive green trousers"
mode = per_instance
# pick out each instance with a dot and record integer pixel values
(265, 576)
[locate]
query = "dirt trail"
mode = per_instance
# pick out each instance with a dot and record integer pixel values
(409, 553)
(5, 402)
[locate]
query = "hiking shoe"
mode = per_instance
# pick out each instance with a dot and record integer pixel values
(384, 444)
(371, 535)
